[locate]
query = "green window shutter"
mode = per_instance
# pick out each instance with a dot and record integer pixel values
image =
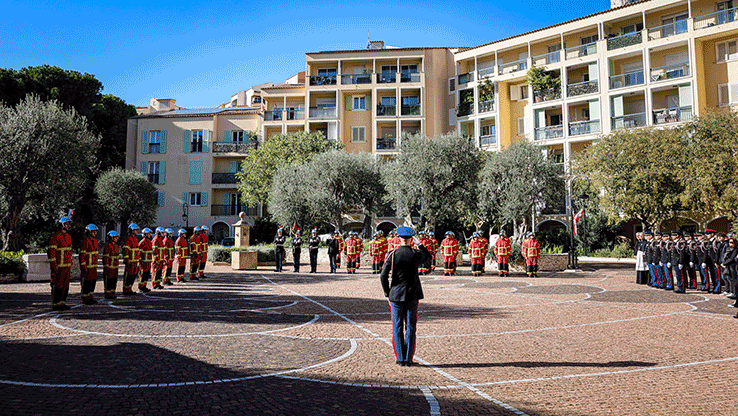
(368, 101)
(143, 168)
(162, 172)
(185, 198)
(205, 139)
(349, 102)
(187, 141)
(226, 198)
(204, 199)
(227, 137)
(195, 172)
(234, 167)
(163, 144)
(145, 142)
(161, 199)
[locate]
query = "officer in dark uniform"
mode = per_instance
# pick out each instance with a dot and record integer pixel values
(666, 244)
(679, 260)
(279, 240)
(656, 258)
(313, 243)
(703, 248)
(404, 293)
(296, 250)
(334, 250)
(648, 257)
(692, 254)
(713, 261)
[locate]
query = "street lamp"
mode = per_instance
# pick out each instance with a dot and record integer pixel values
(185, 214)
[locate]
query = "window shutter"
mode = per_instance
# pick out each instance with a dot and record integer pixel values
(161, 199)
(162, 172)
(205, 139)
(451, 85)
(187, 141)
(143, 168)
(227, 137)
(145, 142)
(514, 92)
(368, 101)
(163, 144)
(349, 102)
(185, 198)
(204, 199)
(234, 167)
(195, 172)
(226, 198)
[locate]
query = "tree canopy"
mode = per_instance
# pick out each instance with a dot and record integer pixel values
(127, 196)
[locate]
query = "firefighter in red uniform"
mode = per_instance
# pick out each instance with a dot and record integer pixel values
(147, 257)
(390, 241)
(502, 250)
(194, 253)
(433, 249)
(60, 260)
(169, 243)
(375, 252)
(425, 240)
(160, 257)
(449, 249)
(203, 251)
(476, 254)
(396, 241)
(88, 256)
(531, 251)
(110, 265)
(131, 257)
(360, 245)
(183, 252)
(352, 252)
(486, 249)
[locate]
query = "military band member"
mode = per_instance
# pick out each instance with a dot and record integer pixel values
(296, 249)
(313, 243)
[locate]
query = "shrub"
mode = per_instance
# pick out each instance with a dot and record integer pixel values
(11, 262)
(516, 257)
(219, 253)
(552, 249)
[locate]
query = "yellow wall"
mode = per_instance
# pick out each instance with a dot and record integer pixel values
(701, 8)
(714, 73)
(657, 58)
(616, 66)
(615, 26)
(575, 39)
(355, 118)
(654, 19)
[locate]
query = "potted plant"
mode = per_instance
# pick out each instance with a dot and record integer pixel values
(543, 81)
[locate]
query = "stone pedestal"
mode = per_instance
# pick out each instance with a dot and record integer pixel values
(39, 270)
(244, 260)
(242, 232)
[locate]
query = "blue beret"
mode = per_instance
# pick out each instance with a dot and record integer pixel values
(405, 232)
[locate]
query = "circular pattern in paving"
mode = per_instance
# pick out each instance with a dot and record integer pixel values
(559, 290)
(496, 285)
(448, 282)
(644, 296)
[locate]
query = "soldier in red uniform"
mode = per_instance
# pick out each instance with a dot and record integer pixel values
(352, 252)
(160, 257)
(531, 251)
(486, 249)
(449, 249)
(476, 254)
(60, 260)
(183, 252)
(194, 253)
(169, 243)
(88, 256)
(147, 257)
(110, 265)
(131, 256)
(203, 251)
(502, 250)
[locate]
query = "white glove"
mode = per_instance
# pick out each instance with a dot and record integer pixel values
(661, 264)
(691, 265)
(681, 267)
(668, 265)
(704, 265)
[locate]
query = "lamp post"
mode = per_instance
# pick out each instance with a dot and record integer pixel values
(185, 214)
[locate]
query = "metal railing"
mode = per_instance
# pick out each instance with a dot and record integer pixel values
(410, 110)
(323, 79)
(227, 177)
(670, 72)
(511, 67)
(386, 110)
(386, 143)
(547, 58)
(627, 79)
(487, 106)
(349, 79)
(322, 112)
(581, 50)
(547, 95)
(294, 114)
(625, 40)
(715, 19)
(230, 147)
(232, 210)
(672, 115)
(488, 139)
(465, 78)
(409, 76)
(485, 72)
(670, 29)
(386, 77)
(273, 115)
(549, 132)
(578, 128)
(582, 88)
(629, 121)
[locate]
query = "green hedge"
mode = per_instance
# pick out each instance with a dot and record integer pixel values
(265, 253)
(11, 262)
(620, 251)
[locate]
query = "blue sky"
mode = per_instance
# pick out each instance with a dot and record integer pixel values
(201, 53)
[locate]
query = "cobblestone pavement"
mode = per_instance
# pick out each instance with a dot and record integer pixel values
(258, 342)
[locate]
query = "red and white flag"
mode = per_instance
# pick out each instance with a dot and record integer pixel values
(576, 217)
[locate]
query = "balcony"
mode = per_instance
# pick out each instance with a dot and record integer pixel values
(626, 80)
(622, 41)
(582, 88)
(350, 79)
(464, 109)
(386, 143)
(465, 78)
(581, 50)
(230, 147)
(386, 110)
(322, 112)
(486, 72)
(232, 210)
(549, 132)
(512, 67)
(323, 79)
(223, 178)
(671, 29)
(488, 139)
(547, 58)
(580, 128)
(410, 110)
(274, 115)
(715, 19)
(628, 121)
(409, 76)
(486, 106)
(547, 95)
(668, 72)
(672, 115)
(386, 78)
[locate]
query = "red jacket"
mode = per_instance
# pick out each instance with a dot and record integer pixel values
(130, 249)
(449, 248)
(183, 248)
(89, 253)
(60, 249)
(110, 256)
(476, 251)
(503, 247)
(147, 254)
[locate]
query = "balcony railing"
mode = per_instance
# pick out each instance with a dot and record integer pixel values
(549, 132)
(579, 128)
(294, 114)
(511, 67)
(410, 110)
(625, 40)
(386, 78)
(581, 50)
(627, 79)
(670, 72)
(466, 78)
(232, 210)
(488, 139)
(224, 177)
(322, 112)
(323, 79)
(349, 79)
(582, 88)
(629, 121)
(487, 106)
(409, 76)
(386, 110)
(715, 19)
(386, 143)
(486, 72)
(273, 115)
(464, 110)
(547, 95)
(664, 31)
(672, 115)
(547, 58)
(230, 147)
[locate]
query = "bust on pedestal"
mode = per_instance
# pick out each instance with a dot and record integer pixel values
(243, 260)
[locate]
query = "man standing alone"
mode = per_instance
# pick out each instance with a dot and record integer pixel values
(404, 293)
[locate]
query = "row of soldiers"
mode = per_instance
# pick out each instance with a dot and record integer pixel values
(152, 252)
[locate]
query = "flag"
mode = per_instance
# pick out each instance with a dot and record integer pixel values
(576, 217)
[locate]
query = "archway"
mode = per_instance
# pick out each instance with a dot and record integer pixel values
(682, 224)
(386, 227)
(719, 224)
(220, 231)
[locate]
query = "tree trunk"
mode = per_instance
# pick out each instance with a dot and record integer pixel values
(12, 238)
(367, 229)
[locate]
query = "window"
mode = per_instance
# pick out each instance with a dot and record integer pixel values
(327, 72)
(451, 85)
(488, 130)
(360, 103)
(725, 12)
(237, 136)
(589, 39)
(154, 141)
(523, 92)
(635, 27)
(153, 172)
(555, 120)
(256, 100)
(196, 143)
(195, 199)
(585, 113)
(358, 134)
(521, 126)
(727, 51)
(728, 94)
